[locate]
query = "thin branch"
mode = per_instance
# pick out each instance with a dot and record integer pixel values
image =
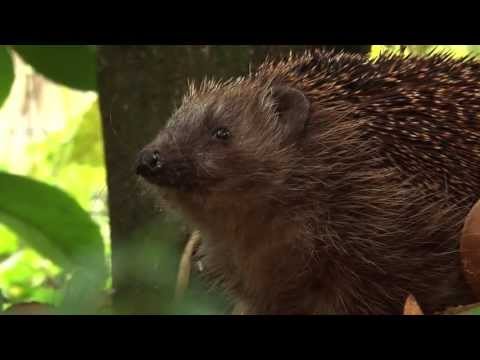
(183, 277)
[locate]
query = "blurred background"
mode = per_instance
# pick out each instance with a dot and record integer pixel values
(77, 235)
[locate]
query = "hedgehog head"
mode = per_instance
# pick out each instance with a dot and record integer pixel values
(231, 137)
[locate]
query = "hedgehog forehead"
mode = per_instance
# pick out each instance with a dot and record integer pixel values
(189, 114)
(225, 102)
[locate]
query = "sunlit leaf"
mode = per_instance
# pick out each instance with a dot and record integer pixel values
(457, 51)
(51, 222)
(470, 309)
(7, 74)
(73, 160)
(377, 50)
(25, 273)
(72, 66)
(475, 311)
(8, 241)
(474, 49)
(87, 145)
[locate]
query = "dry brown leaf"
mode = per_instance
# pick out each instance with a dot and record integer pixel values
(470, 249)
(411, 306)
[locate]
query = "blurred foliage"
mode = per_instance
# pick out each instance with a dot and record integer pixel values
(45, 217)
(73, 66)
(28, 276)
(87, 146)
(456, 50)
(7, 73)
(76, 149)
(475, 311)
(8, 242)
(54, 232)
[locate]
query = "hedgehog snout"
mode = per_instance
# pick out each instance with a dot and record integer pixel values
(163, 171)
(149, 163)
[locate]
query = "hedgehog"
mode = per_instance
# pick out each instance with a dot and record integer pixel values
(327, 182)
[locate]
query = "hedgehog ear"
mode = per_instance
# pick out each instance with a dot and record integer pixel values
(292, 107)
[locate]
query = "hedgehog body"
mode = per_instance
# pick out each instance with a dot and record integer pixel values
(327, 182)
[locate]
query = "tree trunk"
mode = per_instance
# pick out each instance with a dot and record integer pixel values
(138, 89)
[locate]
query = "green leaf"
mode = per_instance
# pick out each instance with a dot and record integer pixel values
(82, 294)
(73, 66)
(475, 311)
(52, 222)
(87, 143)
(25, 272)
(8, 241)
(7, 74)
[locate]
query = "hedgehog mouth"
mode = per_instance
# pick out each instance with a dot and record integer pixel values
(176, 182)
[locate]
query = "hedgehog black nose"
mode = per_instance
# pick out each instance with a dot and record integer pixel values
(148, 163)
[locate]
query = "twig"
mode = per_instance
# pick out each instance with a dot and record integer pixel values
(185, 266)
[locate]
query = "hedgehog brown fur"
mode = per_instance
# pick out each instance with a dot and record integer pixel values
(338, 184)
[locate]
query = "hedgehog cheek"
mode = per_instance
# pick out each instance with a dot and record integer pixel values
(293, 109)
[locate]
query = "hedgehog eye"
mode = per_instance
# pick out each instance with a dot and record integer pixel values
(221, 133)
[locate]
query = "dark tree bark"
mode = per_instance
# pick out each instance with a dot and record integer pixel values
(138, 89)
